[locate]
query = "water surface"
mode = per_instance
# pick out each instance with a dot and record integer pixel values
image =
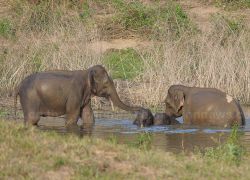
(174, 138)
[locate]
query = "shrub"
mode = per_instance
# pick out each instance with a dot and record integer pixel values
(124, 64)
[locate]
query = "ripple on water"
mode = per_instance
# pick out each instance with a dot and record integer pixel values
(175, 138)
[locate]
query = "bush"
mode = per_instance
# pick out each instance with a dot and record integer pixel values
(124, 64)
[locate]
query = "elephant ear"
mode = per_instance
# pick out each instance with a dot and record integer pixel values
(178, 100)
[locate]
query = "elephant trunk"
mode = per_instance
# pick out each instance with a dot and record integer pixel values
(117, 101)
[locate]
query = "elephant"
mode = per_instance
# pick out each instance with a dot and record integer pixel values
(145, 118)
(63, 92)
(203, 106)
(164, 119)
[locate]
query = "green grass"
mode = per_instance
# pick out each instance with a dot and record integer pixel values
(231, 152)
(152, 20)
(124, 64)
(3, 112)
(233, 4)
(28, 153)
(6, 28)
(143, 141)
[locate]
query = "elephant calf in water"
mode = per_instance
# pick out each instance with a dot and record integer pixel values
(203, 106)
(145, 118)
(55, 93)
(164, 119)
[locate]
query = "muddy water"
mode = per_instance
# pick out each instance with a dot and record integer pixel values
(174, 138)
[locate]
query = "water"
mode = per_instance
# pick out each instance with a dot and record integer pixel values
(173, 138)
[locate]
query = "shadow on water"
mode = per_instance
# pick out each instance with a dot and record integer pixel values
(174, 138)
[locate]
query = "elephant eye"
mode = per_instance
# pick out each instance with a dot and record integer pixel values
(175, 97)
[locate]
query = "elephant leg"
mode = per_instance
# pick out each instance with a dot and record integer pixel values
(31, 112)
(72, 113)
(31, 118)
(72, 118)
(87, 115)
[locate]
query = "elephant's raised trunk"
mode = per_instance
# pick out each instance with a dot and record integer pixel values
(117, 102)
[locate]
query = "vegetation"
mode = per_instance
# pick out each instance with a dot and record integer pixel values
(30, 153)
(231, 151)
(233, 4)
(124, 64)
(6, 28)
(54, 35)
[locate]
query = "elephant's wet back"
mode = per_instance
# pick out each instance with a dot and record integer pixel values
(174, 138)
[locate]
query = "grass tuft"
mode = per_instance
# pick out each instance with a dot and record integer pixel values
(124, 64)
(231, 151)
(6, 28)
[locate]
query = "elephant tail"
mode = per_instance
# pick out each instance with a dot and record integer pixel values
(243, 120)
(16, 93)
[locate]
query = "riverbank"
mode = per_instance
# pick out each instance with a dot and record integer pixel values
(30, 153)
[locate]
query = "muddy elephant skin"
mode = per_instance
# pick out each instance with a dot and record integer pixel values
(164, 119)
(144, 118)
(55, 93)
(203, 106)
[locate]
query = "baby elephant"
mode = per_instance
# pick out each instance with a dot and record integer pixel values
(145, 118)
(164, 119)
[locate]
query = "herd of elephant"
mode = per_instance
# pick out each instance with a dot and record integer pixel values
(56, 93)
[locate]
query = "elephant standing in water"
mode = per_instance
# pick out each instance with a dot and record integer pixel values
(56, 93)
(203, 106)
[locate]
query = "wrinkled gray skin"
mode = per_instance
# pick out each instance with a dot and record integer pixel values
(144, 118)
(56, 93)
(203, 106)
(164, 119)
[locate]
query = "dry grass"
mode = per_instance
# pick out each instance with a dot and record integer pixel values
(32, 154)
(199, 61)
(218, 59)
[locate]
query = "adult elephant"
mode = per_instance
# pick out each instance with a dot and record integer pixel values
(55, 93)
(203, 106)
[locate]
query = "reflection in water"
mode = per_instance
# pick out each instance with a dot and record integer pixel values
(174, 138)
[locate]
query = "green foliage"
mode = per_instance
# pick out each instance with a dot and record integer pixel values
(226, 29)
(231, 151)
(6, 28)
(124, 64)
(135, 15)
(85, 11)
(156, 20)
(3, 112)
(143, 141)
(59, 161)
(113, 139)
(234, 25)
(233, 4)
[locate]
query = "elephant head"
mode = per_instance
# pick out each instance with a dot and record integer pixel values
(144, 118)
(175, 100)
(100, 84)
(164, 119)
